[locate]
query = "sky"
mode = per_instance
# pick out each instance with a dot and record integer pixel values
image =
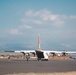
(21, 21)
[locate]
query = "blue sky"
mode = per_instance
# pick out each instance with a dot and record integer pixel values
(22, 20)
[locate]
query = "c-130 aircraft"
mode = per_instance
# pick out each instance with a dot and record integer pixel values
(42, 54)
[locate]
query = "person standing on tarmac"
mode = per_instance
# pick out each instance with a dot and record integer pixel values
(9, 58)
(27, 57)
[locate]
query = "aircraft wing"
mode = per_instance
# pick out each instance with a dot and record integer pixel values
(59, 53)
(71, 52)
(44, 52)
(22, 51)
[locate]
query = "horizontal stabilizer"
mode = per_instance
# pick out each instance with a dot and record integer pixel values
(9, 51)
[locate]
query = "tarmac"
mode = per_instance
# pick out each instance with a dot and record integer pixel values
(34, 66)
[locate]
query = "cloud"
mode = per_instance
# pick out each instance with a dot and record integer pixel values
(15, 32)
(28, 27)
(38, 22)
(29, 13)
(24, 27)
(42, 17)
(45, 16)
(72, 17)
(59, 23)
(66, 45)
(53, 28)
(19, 30)
(41, 20)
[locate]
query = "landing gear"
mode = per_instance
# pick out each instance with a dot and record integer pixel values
(39, 59)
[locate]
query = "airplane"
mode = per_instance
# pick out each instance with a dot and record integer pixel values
(42, 54)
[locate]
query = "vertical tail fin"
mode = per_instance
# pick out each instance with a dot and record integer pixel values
(39, 43)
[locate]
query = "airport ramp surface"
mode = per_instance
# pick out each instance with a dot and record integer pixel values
(34, 66)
